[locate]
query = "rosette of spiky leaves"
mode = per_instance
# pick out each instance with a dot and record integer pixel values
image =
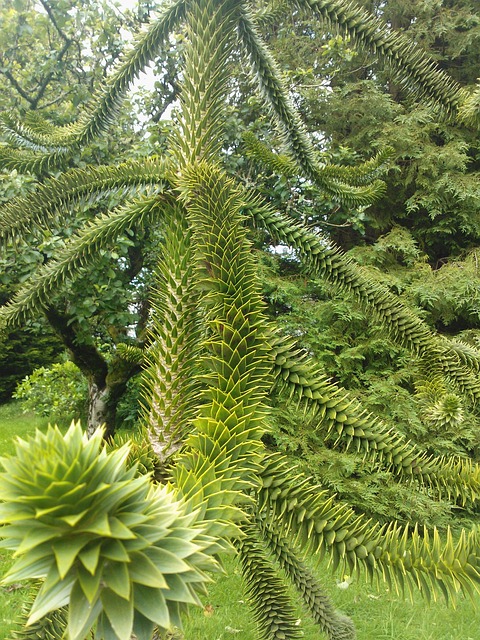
(406, 559)
(446, 412)
(124, 555)
(272, 608)
(335, 625)
(440, 407)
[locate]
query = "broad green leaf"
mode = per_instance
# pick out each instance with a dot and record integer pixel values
(166, 561)
(81, 613)
(179, 547)
(25, 569)
(104, 629)
(142, 626)
(151, 603)
(37, 535)
(144, 571)
(116, 577)
(66, 551)
(115, 550)
(119, 612)
(54, 598)
(179, 591)
(100, 525)
(119, 530)
(89, 557)
(73, 519)
(89, 583)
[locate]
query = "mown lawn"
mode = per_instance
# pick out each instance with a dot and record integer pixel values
(378, 614)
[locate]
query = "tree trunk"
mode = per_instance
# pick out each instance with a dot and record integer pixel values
(98, 408)
(106, 381)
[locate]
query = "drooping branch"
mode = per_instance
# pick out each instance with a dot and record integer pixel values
(415, 69)
(80, 186)
(343, 421)
(323, 259)
(77, 254)
(408, 560)
(287, 117)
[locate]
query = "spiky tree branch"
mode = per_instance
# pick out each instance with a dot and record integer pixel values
(289, 121)
(406, 560)
(323, 259)
(171, 387)
(343, 421)
(335, 625)
(272, 608)
(79, 186)
(77, 254)
(415, 69)
(54, 144)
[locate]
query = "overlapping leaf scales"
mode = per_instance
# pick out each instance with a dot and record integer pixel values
(272, 608)
(210, 28)
(170, 380)
(335, 625)
(406, 560)
(224, 450)
(343, 422)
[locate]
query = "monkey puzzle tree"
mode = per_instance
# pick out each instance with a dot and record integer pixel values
(124, 555)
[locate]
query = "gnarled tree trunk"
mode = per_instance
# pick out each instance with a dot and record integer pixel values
(106, 381)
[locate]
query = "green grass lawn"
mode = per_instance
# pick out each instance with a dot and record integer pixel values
(14, 423)
(378, 614)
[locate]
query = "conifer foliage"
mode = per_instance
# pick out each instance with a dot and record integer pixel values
(116, 555)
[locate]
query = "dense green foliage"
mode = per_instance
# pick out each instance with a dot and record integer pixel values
(221, 368)
(59, 391)
(53, 55)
